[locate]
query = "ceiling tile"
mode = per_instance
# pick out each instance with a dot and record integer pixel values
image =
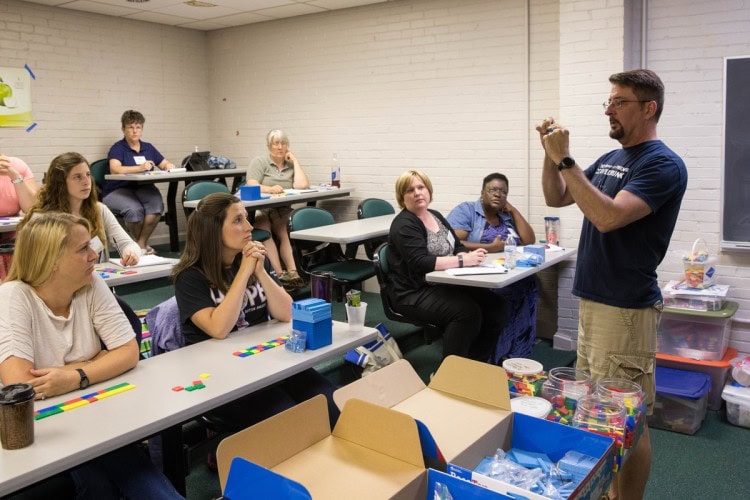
(342, 4)
(241, 19)
(297, 9)
(199, 13)
(224, 13)
(100, 8)
(154, 17)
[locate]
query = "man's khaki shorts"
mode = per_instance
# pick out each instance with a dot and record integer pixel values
(619, 342)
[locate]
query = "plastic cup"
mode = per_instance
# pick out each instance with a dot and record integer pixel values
(17, 416)
(356, 316)
(552, 229)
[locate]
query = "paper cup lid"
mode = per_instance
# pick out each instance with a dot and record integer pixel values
(523, 366)
(531, 406)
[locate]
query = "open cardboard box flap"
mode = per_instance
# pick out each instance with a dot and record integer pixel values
(472, 380)
(372, 449)
(465, 403)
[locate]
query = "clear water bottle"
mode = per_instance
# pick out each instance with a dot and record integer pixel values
(510, 252)
(335, 172)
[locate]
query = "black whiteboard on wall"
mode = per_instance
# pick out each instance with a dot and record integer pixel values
(735, 227)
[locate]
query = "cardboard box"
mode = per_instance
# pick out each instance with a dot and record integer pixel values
(466, 409)
(373, 452)
(554, 440)
(466, 403)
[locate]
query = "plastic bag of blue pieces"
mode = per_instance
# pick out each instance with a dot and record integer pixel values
(529, 260)
(376, 354)
(535, 472)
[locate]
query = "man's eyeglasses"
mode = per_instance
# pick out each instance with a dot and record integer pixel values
(498, 191)
(617, 103)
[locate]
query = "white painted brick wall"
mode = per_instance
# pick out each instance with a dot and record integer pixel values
(89, 69)
(436, 85)
(432, 84)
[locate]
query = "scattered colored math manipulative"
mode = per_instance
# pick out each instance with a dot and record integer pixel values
(196, 385)
(83, 400)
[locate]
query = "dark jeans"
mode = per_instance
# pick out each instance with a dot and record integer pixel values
(124, 473)
(471, 318)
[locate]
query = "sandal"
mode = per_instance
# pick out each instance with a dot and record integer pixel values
(148, 251)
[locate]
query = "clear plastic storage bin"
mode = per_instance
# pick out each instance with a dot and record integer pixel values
(702, 335)
(681, 400)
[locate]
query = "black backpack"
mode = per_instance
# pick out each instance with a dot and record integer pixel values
(197, 161)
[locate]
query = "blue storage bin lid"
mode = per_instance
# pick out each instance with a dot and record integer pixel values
(682, 383)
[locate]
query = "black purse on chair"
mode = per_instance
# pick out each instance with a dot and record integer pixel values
(197, 161)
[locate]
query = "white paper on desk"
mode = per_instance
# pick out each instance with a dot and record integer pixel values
(553, 248)
(469, 271)
(300, 191)
(147, 260)
(178, 170)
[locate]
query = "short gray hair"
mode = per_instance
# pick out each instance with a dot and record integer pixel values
(276, 134)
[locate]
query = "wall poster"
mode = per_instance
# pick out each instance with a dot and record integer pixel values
(15, 97)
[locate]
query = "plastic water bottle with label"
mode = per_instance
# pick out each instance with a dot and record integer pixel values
(335, 172)
(510, 252)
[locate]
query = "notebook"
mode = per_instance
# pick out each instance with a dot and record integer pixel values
(147, 260)
(469, 271)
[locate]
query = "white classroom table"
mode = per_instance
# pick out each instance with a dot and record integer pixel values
(8, 224)
(126, 275)
(70, 438)
(500, 280)
(352, 231)
(284, 200)
(174, 178)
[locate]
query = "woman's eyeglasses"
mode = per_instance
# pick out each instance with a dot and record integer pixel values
(498, 191)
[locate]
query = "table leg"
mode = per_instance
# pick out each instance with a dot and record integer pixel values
(171, 215)
(173, 457)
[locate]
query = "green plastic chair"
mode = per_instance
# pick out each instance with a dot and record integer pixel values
(99, 169)
(381, 271)
(372, 207)
(316, 256)
(196, 191)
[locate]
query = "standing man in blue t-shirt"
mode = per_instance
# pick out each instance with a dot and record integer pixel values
(141, 205)
(630, 198)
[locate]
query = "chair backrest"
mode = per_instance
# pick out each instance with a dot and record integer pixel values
(309, 217)
(98, 171)
(381, 259)
(374, 207)
(307, 253)
(382, 268)
(198, 190)
(133, 319)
